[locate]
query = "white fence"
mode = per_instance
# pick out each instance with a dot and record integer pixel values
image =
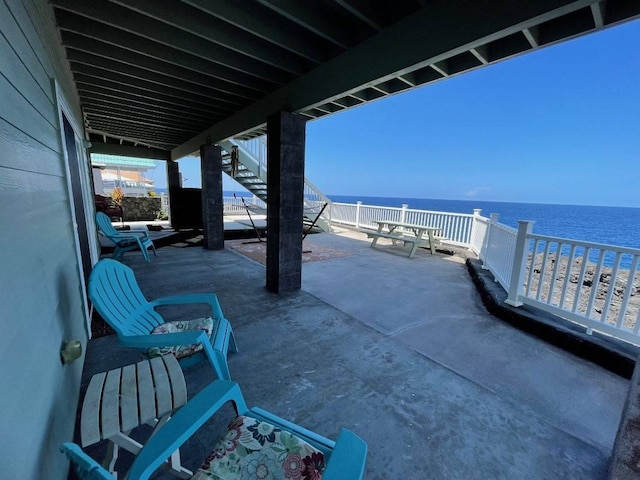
(235, 206)
(456, 227)
(498, 252)
(594, 285)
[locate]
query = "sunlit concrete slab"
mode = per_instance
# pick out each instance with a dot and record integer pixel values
(430, 306)
(402, 352)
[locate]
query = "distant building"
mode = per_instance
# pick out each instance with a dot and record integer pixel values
(111, 171)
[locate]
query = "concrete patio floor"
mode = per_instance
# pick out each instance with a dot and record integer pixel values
(399, 350)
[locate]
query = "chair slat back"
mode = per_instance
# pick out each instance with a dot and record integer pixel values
(115, 294)
(104, 224)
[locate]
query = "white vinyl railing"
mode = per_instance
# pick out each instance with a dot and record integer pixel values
(594, 285)
(257, 150)
(235, 206)
(589, 283)
(456, 227)
(499, 250)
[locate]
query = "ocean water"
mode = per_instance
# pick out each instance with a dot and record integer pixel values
(619, 226)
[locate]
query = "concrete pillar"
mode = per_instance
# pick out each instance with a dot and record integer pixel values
(285, 180)
(212, 203)
(173, 184)
(625, 459)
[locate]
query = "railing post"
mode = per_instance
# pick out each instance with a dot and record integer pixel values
(474, 228)
(403, 213)
(358, 203)
(520, 258)
(485, 251)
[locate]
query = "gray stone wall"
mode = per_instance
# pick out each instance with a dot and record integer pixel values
(141, 208)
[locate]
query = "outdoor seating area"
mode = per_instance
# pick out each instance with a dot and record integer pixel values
(434, 384)
(115, 294)
(257, 444)
(407, 233)
(125, 241)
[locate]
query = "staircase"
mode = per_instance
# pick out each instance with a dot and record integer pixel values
(252, 175)
(252, 172)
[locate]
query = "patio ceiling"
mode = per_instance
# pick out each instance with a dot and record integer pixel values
(173, 74)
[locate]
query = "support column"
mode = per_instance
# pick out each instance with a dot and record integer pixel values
(212, 203)
(285, 187)
(174, 185)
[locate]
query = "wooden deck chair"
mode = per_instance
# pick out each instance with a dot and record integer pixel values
(125, 241)
(256, 441)
(115, 294)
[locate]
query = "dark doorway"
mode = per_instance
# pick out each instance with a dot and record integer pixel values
(78, 201)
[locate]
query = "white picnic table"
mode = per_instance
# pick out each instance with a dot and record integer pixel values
(122, 399)
(406, 233)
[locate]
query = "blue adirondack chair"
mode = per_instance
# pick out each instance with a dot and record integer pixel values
(115, 294)
(125, 241)
(344, 459)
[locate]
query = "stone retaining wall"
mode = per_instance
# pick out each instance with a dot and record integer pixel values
(141, 208)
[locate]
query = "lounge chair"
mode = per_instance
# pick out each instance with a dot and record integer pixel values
(115, 294)
(125, 241)
(256, 441)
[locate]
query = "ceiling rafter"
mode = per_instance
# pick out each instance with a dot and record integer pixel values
(114, 15)
(263, 24)
(150, 86)
(481, 53)
(82, 58)
(145, 124)
(200, 24)
(133, 113)
(87, 90)
(126, 133)
(135, 141)
(85, 27)
(88, 82)
(89, 98)
(363, 11)
(141, 133)
(597, 10)
(315, 20)
(75, 42)
(532, 35)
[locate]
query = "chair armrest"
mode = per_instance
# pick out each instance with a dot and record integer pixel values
(184, 423)
(131, 234)
(83, 464)
(208, 298)
(315, 439)
(165, 339)
(348, 458)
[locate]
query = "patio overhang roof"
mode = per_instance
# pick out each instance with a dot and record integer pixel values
(172, 75)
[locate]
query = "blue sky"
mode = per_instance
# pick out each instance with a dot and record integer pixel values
(559, 125)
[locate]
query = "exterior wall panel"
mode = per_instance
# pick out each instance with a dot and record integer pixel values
(41, 298)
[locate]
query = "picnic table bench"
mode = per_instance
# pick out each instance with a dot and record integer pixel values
(408, 234)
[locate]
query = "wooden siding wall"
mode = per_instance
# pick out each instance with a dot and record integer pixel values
(40, 290)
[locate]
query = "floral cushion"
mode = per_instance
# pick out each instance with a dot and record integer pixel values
(180, 351)
(254, 450)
